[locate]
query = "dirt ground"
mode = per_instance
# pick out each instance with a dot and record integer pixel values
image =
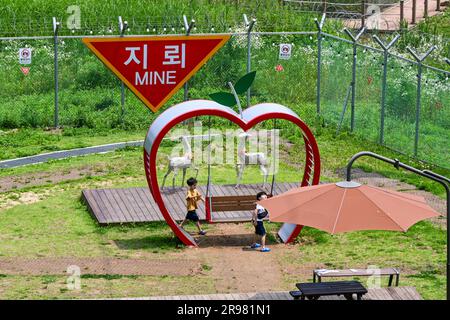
(223, 254)
(18, 182)
(99, 266)
(11, 187)
(227, 251)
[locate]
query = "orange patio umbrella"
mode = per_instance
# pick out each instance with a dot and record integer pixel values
(348, 206)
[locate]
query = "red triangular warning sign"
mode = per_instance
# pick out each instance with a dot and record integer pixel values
(25, 70)
(154, 68)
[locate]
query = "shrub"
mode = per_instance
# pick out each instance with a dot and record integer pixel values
(104, 104)
(92, 74)
(401, 99)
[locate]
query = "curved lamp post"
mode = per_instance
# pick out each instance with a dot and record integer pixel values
(444, 181)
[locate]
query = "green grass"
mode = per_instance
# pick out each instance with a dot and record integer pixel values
(400, 103)
(335, 152)
(110, 286)
(438, 24)
(26, 142)
(60, 226)
(430, 31)
(100, 16)
(90, 95)
(60, 222)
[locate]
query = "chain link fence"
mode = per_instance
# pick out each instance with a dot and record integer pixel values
(89, 95)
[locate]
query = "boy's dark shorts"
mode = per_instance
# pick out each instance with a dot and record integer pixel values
(192, 215)
(259, 228)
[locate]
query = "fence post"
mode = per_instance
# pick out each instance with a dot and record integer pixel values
(319, 57)
(419, 60)
(188, 27)
(438, 5)
(123, 25)
(402, 12)
(344, 108)
(353, 84)
(383, 82)
(425, 8)
(324, 6)
(413, 18)
(363, 13)
(249, 25)
(56, 27)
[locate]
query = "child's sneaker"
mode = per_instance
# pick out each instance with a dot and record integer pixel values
(265, 250)
(202, 233)
(255, 245)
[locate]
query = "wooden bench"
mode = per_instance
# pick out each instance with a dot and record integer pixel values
(314, 291)
(391, 272)
(233, 203)
(229, 203)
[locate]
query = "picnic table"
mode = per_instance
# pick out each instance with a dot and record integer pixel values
(315, 290)
(324, 273)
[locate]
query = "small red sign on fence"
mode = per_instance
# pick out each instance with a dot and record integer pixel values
(279, 68)
(154, 68)
(25, 70)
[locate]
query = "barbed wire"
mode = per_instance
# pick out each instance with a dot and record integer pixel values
(340, 3)
(44, 27)
(104, 26)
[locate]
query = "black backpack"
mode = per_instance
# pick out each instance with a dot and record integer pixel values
(262, 214)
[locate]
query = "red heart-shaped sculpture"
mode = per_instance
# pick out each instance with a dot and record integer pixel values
(250, 117)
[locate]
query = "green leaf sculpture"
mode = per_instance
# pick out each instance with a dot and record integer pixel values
(224, 98)
(241, 86)
(244, 83)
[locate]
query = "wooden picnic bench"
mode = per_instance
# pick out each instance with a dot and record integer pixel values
(315, 290)
(391, 272)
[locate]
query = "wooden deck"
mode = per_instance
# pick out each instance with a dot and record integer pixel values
(134, 205)
(391, 293)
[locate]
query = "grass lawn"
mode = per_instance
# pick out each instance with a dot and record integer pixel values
(93, 287)
(58, 225)
(46, 219)
(26, 142)
(335, 151)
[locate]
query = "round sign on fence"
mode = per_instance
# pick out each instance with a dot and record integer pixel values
(285, 51)
(25, 56)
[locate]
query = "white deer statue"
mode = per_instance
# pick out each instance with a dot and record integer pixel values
(184, 162)
(249, 158)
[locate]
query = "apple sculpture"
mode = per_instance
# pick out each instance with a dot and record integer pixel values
(245, 119)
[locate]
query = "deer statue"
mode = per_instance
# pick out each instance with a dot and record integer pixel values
(184, 162)
(252, 158)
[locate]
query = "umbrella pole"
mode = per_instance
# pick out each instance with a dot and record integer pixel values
(444, 181)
